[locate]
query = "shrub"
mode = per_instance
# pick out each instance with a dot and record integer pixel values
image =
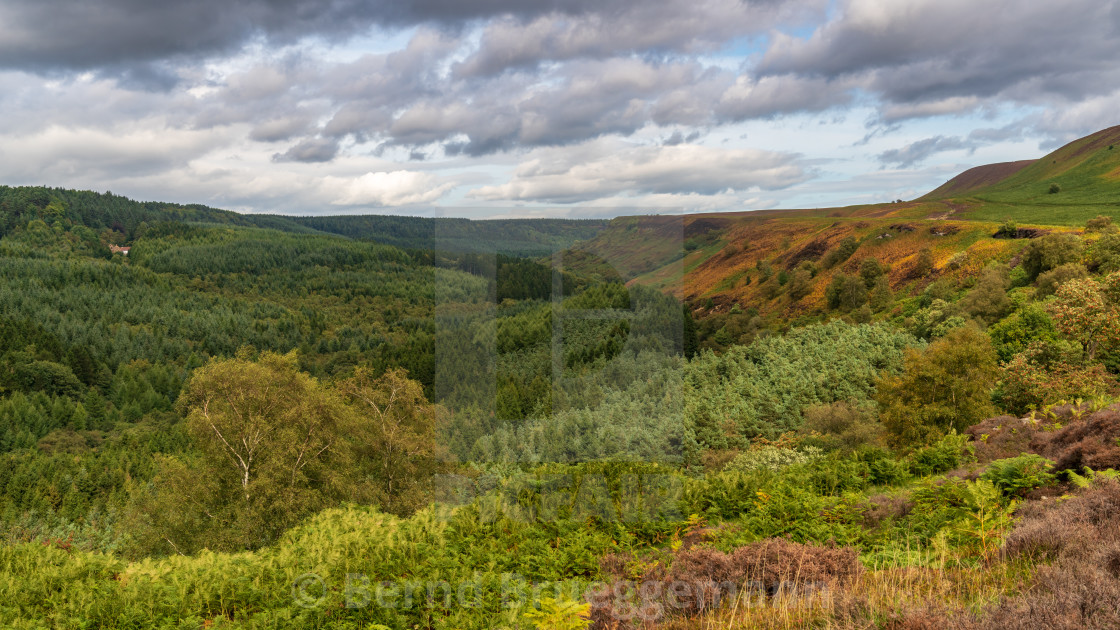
(881, 296)
(841, 253)
(845, 292)
(1013, 334)
(935, 321)
(1099, 224)
(948, 453)
(800, 284)
(988, 300)
(763, 389)
(870, 270)
(843, 425)
(1079, 588)
(1050, 252)
(883, 467)
(1091, 441)
(1089, 312)
(836, 475)
(1055, 189)
(772, 458)
(1007, 229)
(1049, 282)
(1017, 475)
(1049, 372)
(1104, 256)
(923, 264)
(1002, 437)
(885, 507)
(713, 578)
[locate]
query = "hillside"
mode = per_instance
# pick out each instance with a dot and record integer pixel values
(1086, 172)
(976, 179)
(716, 262)
(508, 236)
(129, 219)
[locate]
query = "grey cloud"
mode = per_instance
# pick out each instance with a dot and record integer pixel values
(373, 89)
(279, 129)
(279, 99)
(89, 34)
(405, 98)
(86, 156)
(916, 152)
(932, 51)
(1057, 126)
(399, 100)
(666, 25)
(1014, 131)
(767, 96)
(310, 150)
(680, 138)
(581, 100)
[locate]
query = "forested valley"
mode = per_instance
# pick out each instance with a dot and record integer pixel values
(244, 421)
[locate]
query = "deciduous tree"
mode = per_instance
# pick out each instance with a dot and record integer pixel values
(944, 388)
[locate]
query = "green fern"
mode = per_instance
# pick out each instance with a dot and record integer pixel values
(559, 615)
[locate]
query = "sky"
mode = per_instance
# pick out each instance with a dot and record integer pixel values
(526, 108)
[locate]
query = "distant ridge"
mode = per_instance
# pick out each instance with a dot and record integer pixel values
(976, 178)
(1087, 171)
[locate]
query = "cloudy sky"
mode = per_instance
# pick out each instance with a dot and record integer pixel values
(542, 107)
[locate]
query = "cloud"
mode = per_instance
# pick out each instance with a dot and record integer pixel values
(763, 97)
(112, 34)
(573, 101)
(896, 112)
(916, 152)
(279, 129)
(64, 154)
(942, 56)
(1062, 125)
(395, 188)
(689, 26)
(86, 34)
(607, 168)
(310, 150)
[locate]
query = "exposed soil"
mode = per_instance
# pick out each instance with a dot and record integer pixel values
(811, 251)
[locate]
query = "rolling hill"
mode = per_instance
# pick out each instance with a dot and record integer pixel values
(129, 218)
(719, 261)
(1085, 171)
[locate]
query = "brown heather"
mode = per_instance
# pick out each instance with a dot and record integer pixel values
(768, 573)
(1086, 441)
(1079, 588)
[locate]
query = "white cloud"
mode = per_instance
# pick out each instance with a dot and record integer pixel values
(608, 168)
(69, 156)
(394, 188)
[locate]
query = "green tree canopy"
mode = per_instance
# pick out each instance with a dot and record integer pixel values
(274, 445)
(944, 388)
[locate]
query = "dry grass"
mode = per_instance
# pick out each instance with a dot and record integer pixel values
(1059, 570)
(897, 598)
